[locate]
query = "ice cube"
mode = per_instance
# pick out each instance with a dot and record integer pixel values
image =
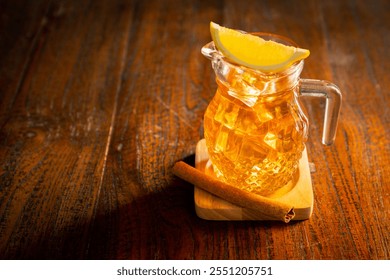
(270, 139)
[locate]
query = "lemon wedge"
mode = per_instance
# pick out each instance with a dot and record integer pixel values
(253, 51)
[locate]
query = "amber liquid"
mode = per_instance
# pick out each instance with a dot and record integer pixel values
(255, 148)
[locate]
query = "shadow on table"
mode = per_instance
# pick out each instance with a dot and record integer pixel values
(158, 225)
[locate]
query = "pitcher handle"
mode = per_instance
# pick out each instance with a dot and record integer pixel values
(320, 88)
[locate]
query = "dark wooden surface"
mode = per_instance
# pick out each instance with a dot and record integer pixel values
(99, 98)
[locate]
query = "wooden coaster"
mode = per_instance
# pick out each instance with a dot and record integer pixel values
(211, 207)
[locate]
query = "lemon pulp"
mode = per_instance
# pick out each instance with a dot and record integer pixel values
(253, 51)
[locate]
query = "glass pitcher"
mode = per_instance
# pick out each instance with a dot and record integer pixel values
(255, 128)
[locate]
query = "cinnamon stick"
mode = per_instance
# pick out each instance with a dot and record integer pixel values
(242, 198)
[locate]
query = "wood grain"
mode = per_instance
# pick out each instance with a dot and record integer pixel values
(98, 99)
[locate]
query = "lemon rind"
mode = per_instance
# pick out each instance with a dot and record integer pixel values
(297, 54)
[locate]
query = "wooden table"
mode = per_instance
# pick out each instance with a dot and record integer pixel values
(98, 99)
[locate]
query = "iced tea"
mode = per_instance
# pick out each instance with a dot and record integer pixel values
(255, 130)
